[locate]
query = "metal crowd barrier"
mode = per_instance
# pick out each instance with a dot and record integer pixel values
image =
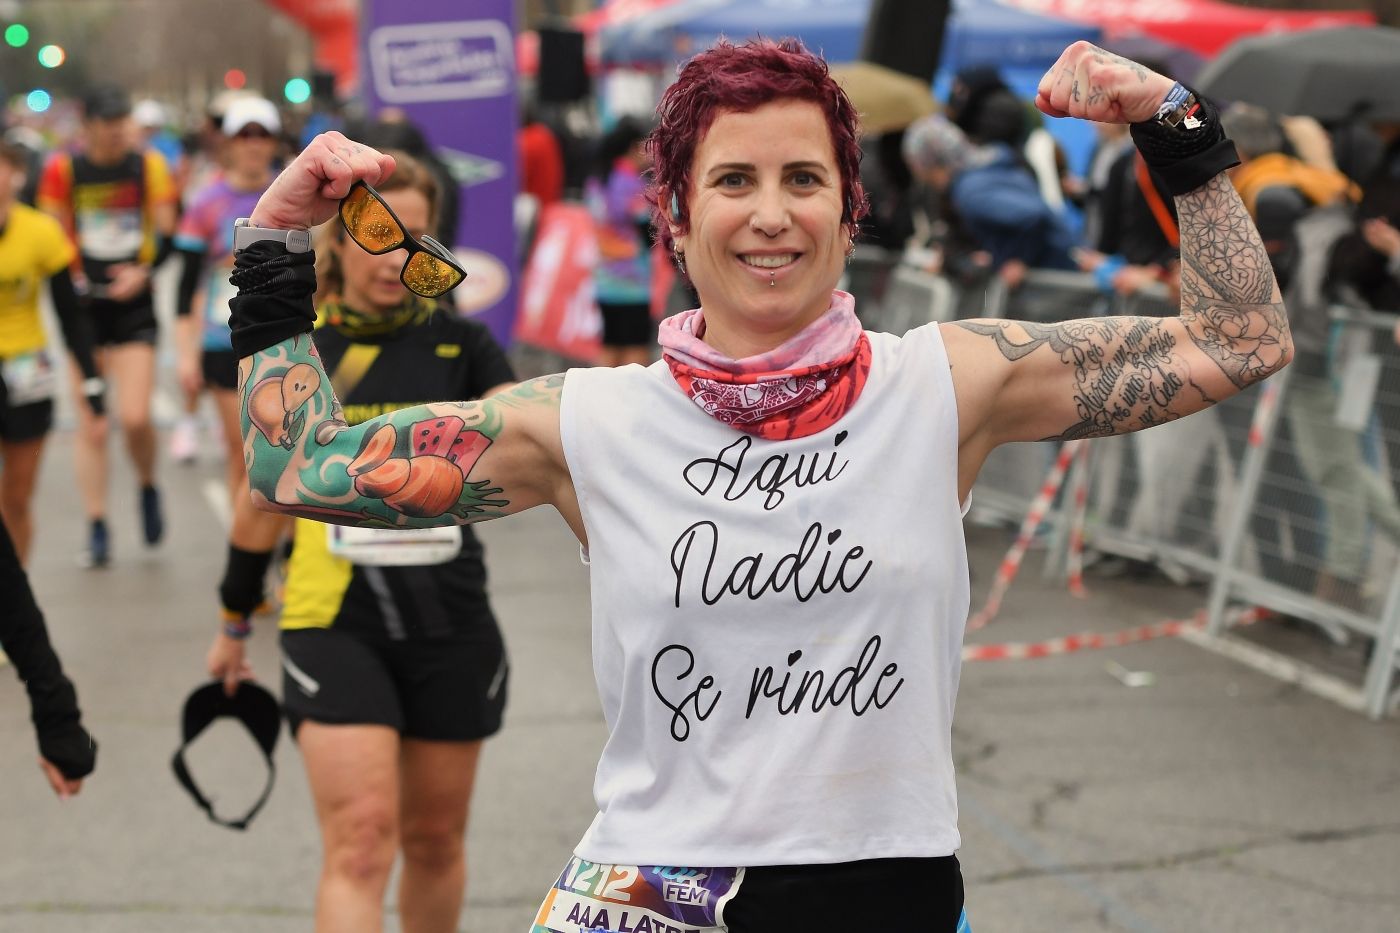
(1317, 532)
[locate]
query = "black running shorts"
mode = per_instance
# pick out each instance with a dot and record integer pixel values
(870, 895)
(220, 369)
(19, 423)
(450, 690)
(627, 325)
(118, 322)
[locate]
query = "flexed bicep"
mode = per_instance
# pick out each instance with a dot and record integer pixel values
(1091, 377)
(436, 464)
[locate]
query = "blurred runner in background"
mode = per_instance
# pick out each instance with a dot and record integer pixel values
(33, 251)
(395, 670)
(118, 205)
(204, 240)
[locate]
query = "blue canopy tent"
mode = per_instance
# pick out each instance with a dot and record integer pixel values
(1022, 44)
(978, 31)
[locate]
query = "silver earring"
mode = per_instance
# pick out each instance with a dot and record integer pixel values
(680, 259)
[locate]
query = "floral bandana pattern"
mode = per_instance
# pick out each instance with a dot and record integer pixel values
(795, 390)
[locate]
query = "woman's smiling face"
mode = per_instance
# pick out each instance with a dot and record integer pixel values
(765, 245)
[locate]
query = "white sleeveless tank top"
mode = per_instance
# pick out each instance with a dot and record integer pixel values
(777, 625)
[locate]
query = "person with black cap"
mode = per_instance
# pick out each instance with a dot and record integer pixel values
(118, 206)
(67, 753)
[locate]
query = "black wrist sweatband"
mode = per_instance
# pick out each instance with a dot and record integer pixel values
(241, 590)
(1184, 159)
(274, 296)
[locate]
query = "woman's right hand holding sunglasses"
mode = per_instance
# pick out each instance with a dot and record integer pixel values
(309, 190)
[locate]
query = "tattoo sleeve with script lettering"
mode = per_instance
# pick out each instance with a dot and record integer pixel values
(1129, 373)
(416, 467)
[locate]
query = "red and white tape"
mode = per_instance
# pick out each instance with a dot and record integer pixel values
(1079, 492)
(1081, 641)
(1011, 563)
(1268, 398)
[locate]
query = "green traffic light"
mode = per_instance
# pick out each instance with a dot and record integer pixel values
(17, 35)
(297, 91)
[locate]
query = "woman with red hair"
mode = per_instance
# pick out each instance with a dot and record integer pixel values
(772, 512)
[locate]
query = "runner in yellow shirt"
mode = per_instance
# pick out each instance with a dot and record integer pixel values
(33, 250)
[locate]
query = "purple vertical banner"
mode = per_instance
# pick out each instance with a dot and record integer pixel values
(450, 67)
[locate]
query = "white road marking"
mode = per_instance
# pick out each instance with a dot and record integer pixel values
(216, 494)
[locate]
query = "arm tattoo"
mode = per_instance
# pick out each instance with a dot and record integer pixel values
(1229, 300)
(1128, 374)
(1108, 58)
(411, 468)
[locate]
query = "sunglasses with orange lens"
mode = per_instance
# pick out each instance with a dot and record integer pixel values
(430, 269)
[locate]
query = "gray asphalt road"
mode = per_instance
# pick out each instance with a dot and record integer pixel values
(1213, 799)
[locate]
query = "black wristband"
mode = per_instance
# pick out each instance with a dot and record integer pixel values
(274, 296)
(1185, 158)
(241, 590)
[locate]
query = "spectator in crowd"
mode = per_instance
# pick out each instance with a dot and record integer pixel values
(993, 195)
(541, 158)
(1303, 212)
(1369, 258)
(985, 108)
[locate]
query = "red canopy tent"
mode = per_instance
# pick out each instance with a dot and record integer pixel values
(527, 44)
(334, 27)
(1203, 26)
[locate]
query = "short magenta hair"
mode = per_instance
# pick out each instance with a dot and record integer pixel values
(743, 78)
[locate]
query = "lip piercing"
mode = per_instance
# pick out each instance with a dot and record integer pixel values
(772, 279)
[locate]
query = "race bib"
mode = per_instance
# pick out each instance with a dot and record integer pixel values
(113, 235)
(29, 377)
(637, 898)
(395, 547)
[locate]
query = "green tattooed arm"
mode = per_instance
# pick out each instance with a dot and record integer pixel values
(437, 464)
(1021, 381)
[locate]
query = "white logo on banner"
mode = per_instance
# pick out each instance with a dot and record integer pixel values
(442, 61)
(467, 169)
(486, 283)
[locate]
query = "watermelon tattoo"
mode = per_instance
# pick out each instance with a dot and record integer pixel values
(413, 468)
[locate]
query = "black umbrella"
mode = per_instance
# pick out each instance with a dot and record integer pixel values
(1330, 74)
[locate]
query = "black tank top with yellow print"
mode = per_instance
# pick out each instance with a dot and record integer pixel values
(428, 357)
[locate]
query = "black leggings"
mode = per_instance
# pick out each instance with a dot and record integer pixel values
(871, 895)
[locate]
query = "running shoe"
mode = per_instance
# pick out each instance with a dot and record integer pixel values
(184, 440)
(98, 552)
(152, 522)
